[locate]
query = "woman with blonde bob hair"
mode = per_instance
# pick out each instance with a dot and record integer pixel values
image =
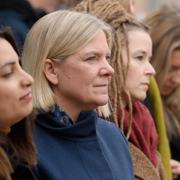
(68, 55)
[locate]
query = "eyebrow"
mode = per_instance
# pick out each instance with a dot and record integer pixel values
(140, 51)
(7, 64)
(97, 52)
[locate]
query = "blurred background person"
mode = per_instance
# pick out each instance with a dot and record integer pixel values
(172, 102)
(20, 15)
(165, 32)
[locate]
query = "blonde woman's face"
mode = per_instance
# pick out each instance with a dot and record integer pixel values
(15, 87)
(83, 78)
(140, 69)
(172, 79)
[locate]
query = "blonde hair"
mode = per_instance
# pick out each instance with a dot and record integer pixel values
(57, 36)
(112, 12)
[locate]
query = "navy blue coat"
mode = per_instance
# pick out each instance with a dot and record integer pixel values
(90, 149)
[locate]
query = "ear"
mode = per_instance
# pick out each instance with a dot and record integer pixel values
(50, 71)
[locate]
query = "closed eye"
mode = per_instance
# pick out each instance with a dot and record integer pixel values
(6, 75)
(7, 70)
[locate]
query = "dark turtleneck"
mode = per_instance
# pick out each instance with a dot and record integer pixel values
(91, 148)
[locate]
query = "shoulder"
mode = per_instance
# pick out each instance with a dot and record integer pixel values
(109, 130)
(114, 143)
(103, 124)
(143, 168)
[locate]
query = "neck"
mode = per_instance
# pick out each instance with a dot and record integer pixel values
(72, 111)
(73, 114)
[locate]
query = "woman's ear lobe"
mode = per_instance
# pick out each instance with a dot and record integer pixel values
(50, 71)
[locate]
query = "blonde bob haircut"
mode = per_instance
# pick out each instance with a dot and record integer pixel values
(57, 35)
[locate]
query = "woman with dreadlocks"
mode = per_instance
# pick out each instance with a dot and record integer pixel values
(131, 53)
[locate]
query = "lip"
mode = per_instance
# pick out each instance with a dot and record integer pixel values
(26, 97)
(145, 83)
(101, 85)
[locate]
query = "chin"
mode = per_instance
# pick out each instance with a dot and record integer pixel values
(139, 97)
(102, 101)
(27, 111)
(142, 98)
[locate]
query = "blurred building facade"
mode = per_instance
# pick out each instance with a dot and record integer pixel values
(143, 7)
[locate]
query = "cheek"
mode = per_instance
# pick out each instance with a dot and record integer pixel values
(7, 95)
(8, 108)
(8, 100)
(84, 78)
(80, 78)
(167, 81)
(131, 77)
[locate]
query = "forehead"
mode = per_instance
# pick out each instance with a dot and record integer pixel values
(139, 39)
(97, 43)
(6, 51)
(175, 60)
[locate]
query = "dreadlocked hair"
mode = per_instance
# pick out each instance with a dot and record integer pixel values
(113, 13)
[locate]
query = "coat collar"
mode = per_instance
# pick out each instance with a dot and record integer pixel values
(53, 121)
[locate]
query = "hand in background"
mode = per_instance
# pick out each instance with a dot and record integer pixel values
(175, 166)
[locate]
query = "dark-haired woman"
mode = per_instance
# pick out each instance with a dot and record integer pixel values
(17, 154)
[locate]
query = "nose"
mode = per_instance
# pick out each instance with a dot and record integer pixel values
(27, 79)
(106, 69)
(150, 70)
